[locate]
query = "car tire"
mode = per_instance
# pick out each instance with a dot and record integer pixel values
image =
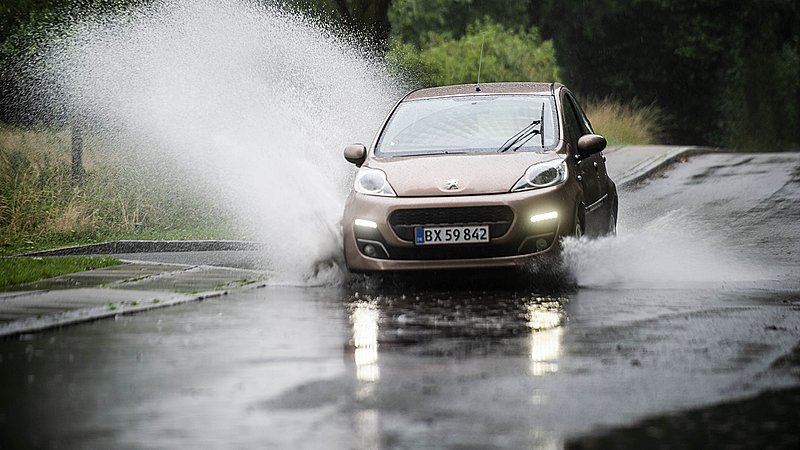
(580, 228)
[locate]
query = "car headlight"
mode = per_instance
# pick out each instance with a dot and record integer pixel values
(542, 175)
(373, 182)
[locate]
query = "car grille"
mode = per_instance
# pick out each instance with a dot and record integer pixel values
(499, 218)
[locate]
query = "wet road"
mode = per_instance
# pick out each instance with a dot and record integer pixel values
(696, 302)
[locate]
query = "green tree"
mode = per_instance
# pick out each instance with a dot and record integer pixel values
(508, 55)
(413, 20)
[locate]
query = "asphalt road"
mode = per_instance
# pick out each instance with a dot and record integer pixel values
(695, 303)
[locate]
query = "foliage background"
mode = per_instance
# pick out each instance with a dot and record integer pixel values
(722, 72)
(727, 73)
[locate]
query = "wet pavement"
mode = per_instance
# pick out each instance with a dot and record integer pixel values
(757, 423)
(111, 291)
(695, 303)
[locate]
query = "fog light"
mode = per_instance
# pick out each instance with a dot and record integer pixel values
(370, 250)
(546, 216)
(541, 244)
(365, 223)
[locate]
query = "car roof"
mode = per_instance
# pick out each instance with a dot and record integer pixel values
(483, 89)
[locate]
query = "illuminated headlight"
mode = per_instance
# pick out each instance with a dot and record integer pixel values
(542, 175)
(373, 182)
(365, 223)
(543, 217)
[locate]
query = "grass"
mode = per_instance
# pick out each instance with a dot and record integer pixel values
(18, 270)
(625, 124)
(123, 195)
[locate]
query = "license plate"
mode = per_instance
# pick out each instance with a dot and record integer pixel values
(451, 235)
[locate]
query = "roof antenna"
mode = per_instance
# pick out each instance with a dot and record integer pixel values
(480, 62)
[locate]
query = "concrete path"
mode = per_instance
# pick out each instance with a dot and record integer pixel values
(631, 164)
(107, 292)
(139, 286)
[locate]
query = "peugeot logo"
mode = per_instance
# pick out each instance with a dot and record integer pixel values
(451, 184)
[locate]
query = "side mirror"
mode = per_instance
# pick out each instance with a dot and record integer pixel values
(589, 144)
(355, 154)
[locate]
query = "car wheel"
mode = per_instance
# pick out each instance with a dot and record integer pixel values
(579, 228)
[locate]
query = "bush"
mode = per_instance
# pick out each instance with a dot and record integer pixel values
(625, 124)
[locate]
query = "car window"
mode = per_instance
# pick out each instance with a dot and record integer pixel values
(583, 121)
(470, 124)
(571, 121)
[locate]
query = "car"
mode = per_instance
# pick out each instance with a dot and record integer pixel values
(472, 176)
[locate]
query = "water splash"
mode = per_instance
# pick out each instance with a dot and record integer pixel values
(671, 251)
(245, 101)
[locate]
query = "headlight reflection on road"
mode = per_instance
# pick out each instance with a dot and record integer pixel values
(368, 427)
(365, 340)
(544, 321)
(364, 316)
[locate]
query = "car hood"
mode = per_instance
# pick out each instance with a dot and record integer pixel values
(443, 175)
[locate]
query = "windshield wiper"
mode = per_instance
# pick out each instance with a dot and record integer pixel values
(520, 137)
(446, 152)
(524, 135)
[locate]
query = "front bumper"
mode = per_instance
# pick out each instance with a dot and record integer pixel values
(512, 244)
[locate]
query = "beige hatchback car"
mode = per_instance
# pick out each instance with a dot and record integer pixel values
(476, 176)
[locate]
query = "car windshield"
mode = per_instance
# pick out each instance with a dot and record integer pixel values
(470, 124)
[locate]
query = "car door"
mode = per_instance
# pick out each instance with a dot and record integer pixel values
(587, 167)
(600, 209)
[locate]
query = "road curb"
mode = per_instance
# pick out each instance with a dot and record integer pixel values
(112, 309)
(150, 246)
(649, 167)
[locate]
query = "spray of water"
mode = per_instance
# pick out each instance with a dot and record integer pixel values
(240, 99)
(670, 251)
